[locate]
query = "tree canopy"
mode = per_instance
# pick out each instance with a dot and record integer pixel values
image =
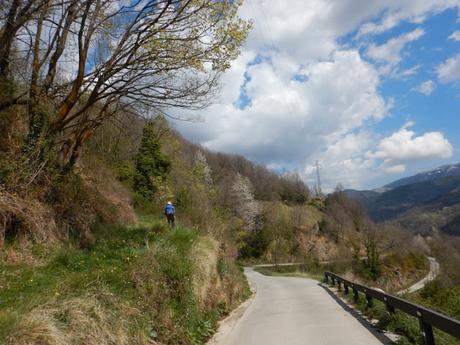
(78, 62)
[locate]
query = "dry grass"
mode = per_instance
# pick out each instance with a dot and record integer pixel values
(99, 177)
(206, 282)
(79, 321)
(26, 219)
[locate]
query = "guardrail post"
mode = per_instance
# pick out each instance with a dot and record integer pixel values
(355, 295)
(346, 288)
(390, 309)
(426, 331)
(339, 284)
(326, 278)
(333, 281)
(370, 302)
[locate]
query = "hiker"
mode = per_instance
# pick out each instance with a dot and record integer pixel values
(169, 213)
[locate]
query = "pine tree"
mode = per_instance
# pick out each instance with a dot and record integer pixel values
(151, 164)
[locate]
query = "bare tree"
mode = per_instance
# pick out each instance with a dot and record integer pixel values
(146, 55)
(15, 14)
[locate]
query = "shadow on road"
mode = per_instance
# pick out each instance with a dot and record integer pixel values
(375, 332)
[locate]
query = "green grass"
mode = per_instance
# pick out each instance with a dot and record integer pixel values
(445, 299)
(308, 269)
(288, 271)
(72, 272)
(149, 268)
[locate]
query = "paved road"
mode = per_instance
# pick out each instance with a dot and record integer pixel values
(295, 311)
(434, 271)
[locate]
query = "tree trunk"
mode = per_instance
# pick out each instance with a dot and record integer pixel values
(7, 38)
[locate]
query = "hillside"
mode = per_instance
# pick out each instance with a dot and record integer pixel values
(421, 203)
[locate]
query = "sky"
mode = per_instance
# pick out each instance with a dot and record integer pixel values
(370, 89)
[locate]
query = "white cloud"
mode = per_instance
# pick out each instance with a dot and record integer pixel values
(415, 11)
(290, 120)
(408, 72)
(449, 71)
(426, 87)
(307, 96)
(404, 145)
(388, 54)
(343, 162)
(455, 36)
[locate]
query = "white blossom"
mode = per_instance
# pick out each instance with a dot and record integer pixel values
(249, 209)
(202, 164)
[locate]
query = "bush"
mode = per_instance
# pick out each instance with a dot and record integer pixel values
(125, 172)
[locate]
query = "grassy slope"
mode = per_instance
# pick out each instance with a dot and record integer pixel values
(132, 286)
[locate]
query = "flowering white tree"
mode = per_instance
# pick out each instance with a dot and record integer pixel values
(249, 209)
(201, 164)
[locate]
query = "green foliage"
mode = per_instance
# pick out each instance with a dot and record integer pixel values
(309, 268)
(150, 163)
(253, 244)
(38, 124)
(441, 297)
(175, 271)
(293, 189)
(71, 272)
(125, 171)
(369, 268)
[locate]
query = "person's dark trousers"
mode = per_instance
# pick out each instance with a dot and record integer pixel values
(171, 220)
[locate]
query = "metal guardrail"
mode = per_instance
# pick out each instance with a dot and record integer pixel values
(427, 318)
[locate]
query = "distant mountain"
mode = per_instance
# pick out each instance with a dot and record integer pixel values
(436, 193)
(423, 202)
(361, 195)
(443, 171)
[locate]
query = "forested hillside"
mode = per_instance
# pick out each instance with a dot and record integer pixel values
(422, 207)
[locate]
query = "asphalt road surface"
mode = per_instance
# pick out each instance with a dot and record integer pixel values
(296, 311)
(432, 274)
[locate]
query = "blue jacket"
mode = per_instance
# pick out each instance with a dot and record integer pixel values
(169, 209)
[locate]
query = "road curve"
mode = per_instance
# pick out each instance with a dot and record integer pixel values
(432, 274)
(295, 311)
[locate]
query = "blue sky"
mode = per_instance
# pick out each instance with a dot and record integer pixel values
(435, 111)
(440, 110)
(371, 89)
